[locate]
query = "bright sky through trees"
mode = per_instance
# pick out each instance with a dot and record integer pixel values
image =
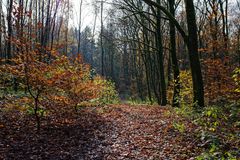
(87, 12)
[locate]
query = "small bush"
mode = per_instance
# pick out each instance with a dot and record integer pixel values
(63, 82)
(186, 90)
(220, 132)
(236, 78)
(107, 93)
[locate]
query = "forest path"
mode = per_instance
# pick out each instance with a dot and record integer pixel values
(110, 132)
(144, 132)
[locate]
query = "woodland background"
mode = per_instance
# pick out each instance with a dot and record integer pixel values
(184, 54)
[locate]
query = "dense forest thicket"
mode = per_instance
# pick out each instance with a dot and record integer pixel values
(179, 53)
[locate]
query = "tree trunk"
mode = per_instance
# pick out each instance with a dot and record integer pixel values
(176, 73)
(80, 26)
(9, 23)
(101, 41)
(1, 51)
(192, 44)
(160, 56)
(36, 109)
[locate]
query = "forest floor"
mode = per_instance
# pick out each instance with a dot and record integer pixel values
(110, 132)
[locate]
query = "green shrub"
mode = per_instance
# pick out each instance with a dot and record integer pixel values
(217, 128)
(186, 90)
(147, 101)
(236, 78)
(107, 92)
(220, 131)
(179, 126)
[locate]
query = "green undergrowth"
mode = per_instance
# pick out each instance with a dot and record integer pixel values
(137, 101)
(218, 129)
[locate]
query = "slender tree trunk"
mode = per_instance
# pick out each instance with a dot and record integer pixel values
(47, 25)
(101, 41)
(66, 31)
(94, 23)
(42, 21)
(224, 15)
(176, 73)
(227, 26)
(145, 61)
(160, 56)
(53, 23)
(59, 30)
(1, 30)
(80, 26)
(9, 23)
(36, 109)
(238, 46)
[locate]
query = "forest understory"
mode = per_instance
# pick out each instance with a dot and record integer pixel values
(119, 79)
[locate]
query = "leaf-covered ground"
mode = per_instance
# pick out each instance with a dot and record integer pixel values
(110, 132)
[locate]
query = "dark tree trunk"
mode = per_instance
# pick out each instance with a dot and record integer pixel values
(101, 41)
(160, 56)
(36, 110)
(1, 29)
(176, 92)
(192, 44)
(9, 23)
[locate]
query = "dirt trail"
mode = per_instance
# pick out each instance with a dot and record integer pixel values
(110, 132)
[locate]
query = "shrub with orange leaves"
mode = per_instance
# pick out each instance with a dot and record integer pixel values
(75, 81)
(60, 81)
(218, 80)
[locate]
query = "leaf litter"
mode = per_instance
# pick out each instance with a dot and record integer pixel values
(111, 132)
